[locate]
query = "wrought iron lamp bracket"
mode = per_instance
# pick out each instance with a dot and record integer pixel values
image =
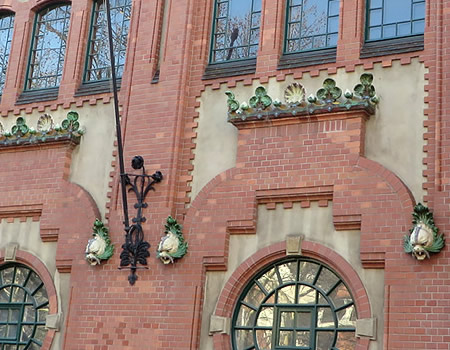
(135, 250)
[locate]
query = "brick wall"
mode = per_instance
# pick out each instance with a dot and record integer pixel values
(159, 120)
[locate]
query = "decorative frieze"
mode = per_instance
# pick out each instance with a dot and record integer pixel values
(46, 131)
(328, 99)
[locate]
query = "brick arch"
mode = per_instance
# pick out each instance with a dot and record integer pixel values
(39, 267)
(268, 255)
(6, 10)
(40, 5)
(406, 198)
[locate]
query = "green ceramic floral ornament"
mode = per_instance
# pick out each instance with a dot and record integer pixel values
(172, 245)
(244, 106)
(424, 237)
(99, 247)
(277, 103)
(233, 104)
(365, 90)
(261, 100)
(21, 128)
(312, 99)
(329, 93)
(71, 123)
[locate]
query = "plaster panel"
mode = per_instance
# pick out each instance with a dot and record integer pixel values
(394, 135)
(274, 226)
(216, 142)
(91, 160)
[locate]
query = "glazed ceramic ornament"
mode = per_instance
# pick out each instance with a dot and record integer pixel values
(424, 237)
(294, 94)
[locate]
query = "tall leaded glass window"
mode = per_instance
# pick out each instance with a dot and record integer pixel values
(98, 65)
(48, 47)
(23, 308)
(295, 304)
(311, 25)
(6, 33)
(236, 30)
(395, 18)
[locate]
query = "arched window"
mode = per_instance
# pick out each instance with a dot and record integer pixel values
(23, 308)
(6, 33)
(98, 65)
(48, 47)
(297, 303)
(311, 25)
(236, 30)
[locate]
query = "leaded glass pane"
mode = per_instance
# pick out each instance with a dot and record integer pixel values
(98, 65)
(346, 341)
(6, 33)
(287, 319)
(306, 295)
(347, 317)
(254, 296)
(19, 325)
(340, 296)
(299, 303)
(265, 318)
(48, 48)
(326, 280)
(246, 316)
(324, 340)
(244, 339)
(395, 18)
(286, 295)
(302, 339)
(236, 30)
(325, 318)
(264, 339)
(286, 338)
(311, 25)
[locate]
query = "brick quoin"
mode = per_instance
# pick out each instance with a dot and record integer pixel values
(163, 310)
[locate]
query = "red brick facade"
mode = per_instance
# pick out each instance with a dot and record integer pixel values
(319, 159)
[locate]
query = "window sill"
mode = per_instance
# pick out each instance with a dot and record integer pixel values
(229, 69)
(308, 58)
(29, 96)
(96, 87)
(392, 46)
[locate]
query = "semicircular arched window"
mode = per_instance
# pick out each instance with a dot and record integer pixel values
(23, 308)
(295, 304)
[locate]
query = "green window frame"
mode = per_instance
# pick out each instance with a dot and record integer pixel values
(48, 47)
(24, 307)
(6, 33)
(98, 64)
(311, 25)
(236, 30)
(296, 303)
(388, 19)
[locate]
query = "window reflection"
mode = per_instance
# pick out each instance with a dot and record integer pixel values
(236, 30)
(48, 47)
(6, 32)
(98, 62)
(299, 303)
(22, 312)
(312, 25)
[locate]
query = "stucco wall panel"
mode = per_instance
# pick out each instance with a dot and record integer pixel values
(393, 135)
